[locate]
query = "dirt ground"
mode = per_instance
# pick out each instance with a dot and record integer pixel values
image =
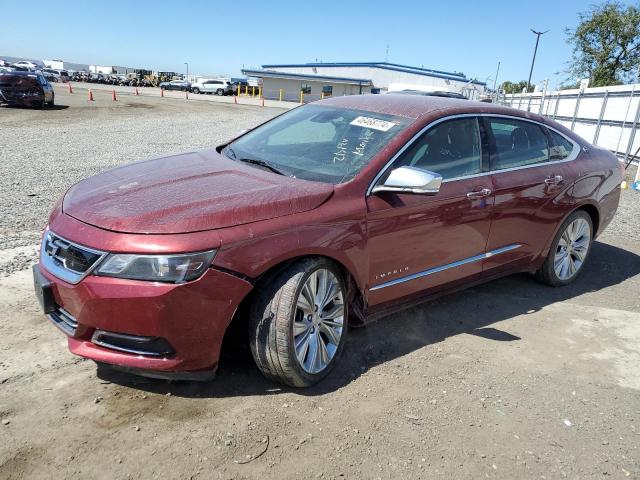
(511, 379)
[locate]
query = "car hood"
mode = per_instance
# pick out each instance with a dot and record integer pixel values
(188, 193)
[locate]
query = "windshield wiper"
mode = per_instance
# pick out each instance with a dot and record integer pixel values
(253, 161)
(261, 163)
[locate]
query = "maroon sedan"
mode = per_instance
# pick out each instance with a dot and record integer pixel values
(335, 212)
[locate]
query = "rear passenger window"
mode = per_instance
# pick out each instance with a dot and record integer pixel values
(451, 148)
(559, 147)
(517, 143)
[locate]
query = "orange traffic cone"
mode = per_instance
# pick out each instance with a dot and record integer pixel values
(137, 92)
(113, 95)
(90, 96)
(69, 87)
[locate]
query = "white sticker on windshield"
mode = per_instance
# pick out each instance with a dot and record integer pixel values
(374, 123)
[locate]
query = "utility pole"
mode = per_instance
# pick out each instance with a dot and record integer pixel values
(187, 64)
(533, 60)
(495, 80)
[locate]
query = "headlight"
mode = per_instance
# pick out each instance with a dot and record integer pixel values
(156, 268)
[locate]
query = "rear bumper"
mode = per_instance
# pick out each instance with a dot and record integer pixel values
(188, 320)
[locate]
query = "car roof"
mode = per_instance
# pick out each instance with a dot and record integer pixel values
(19, 73)
(431, 93)
(416, 106)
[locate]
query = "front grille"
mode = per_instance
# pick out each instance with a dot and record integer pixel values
(67, 260)
(64, 321)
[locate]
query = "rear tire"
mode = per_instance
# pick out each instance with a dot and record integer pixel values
(196, 90)
(219, 92)
(298, 323)
(569, 251)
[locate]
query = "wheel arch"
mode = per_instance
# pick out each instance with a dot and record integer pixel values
(237, 328)
(590, 208)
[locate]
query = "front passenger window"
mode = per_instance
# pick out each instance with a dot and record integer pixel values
(517, 143)
(451, 148)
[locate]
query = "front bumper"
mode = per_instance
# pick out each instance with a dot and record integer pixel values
(191, 317)
(20, 99)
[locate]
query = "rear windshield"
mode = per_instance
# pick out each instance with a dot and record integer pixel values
(17, 80)
(318, 143)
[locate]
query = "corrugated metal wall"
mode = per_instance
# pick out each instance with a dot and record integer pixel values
(605, 116)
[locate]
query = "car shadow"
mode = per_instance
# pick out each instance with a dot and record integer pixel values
(48, 107)
(404, 332)
(57, 107)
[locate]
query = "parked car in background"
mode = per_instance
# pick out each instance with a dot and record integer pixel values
(26, 89)
(337, 212)
(176, 85)
(217, 86)
(26, 64)
(63, 75)
(49, 76)
(57, 75)
(233, 87)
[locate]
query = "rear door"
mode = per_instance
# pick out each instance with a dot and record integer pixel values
(531, 180)
(420, 243)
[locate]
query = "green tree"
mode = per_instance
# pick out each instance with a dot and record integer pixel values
(606, 44)
(517, 87)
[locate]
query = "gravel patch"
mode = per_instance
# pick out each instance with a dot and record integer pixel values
(43, 153)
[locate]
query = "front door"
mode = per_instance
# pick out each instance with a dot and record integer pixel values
(426, 242)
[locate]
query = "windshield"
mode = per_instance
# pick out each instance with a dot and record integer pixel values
(318, 143)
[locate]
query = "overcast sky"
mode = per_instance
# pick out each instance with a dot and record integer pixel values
(225, 36)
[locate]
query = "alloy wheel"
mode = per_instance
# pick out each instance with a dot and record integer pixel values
(318, 321)
(572, 249)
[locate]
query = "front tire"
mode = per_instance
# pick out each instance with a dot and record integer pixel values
(569, 251)
(196, 90)
(219, 92)
(298, 323)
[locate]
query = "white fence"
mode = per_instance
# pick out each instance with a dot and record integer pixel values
(605, 116)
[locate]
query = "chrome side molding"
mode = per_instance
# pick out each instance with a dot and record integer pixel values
(431, 271)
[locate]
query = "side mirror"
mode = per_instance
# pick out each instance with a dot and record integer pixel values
(411, 180)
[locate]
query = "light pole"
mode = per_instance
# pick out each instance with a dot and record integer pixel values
(533, 60)
(187, 64)
(495, 80)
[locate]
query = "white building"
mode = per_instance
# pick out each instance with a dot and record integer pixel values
(358, 77)
(64, 65)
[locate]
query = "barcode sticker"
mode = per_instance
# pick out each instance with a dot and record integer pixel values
(374, 123)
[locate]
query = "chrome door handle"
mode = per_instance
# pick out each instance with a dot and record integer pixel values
(554, 180)
(484, 192)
